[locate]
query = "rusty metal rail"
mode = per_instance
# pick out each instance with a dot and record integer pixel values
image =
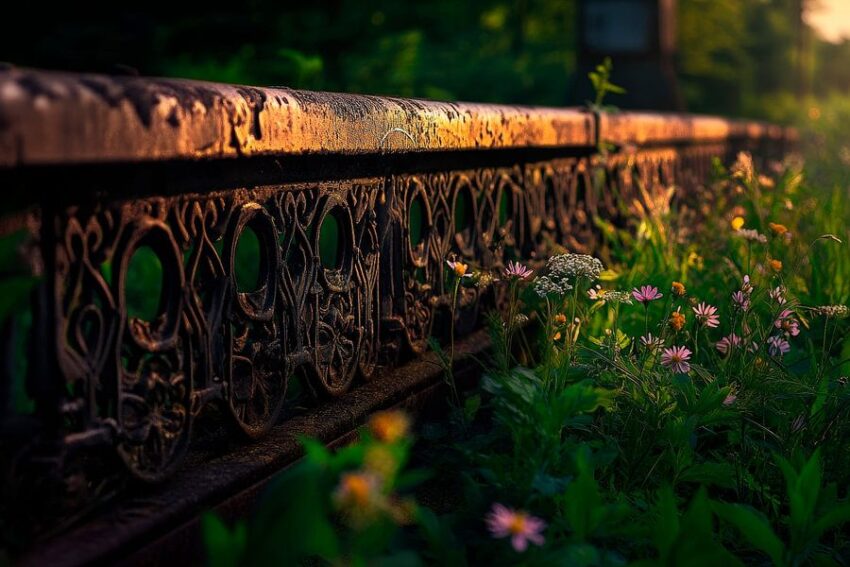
(350, 205)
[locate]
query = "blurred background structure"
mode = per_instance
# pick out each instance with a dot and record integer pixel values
(750, 58)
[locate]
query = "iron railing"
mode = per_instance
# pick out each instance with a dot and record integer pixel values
(175, 243)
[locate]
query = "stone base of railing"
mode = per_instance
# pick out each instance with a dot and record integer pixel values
(160, 524)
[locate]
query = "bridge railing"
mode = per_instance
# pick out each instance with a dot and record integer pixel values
(170, 246)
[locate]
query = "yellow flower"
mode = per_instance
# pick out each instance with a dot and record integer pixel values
(766, 181)
(677, 320)
(460, 269)
(381, 460)
(678, 288)
(696, 261)
(738, 223)
(389, 426)
(777, 229)
(776, 265)
(557, 336)
(356, 490)
(560, 319)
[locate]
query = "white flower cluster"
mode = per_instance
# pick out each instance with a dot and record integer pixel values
(564, 268)
(752, 235)
(575, 266)
(837, 311)
(545, 286)
(617, 296)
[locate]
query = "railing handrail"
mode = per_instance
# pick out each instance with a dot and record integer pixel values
(65, 118)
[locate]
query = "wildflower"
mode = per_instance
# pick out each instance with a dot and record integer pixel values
(357, 490)
(575, 266)
(596, 293)
(677, 320)
(520, 319)
(560, 319)
(646, 294)
(737, 223)
(726, 344)
(746, 286)
(777, 294)
(743, 167)
(777, 346)
(777, 229)
(520, 526)
(752, 235)
(678, 288)
(696, 261)
(545, 286)
(787, 323)
(775, 265)
(707, 315)
(766, 182)
(483, 279)
(389, 426)
(835, 311)
(651, 343)
(517, 271)
(676, 359)
(381, 460)
(557, 336)
(729, 399)
(459, 268)
(741, 300)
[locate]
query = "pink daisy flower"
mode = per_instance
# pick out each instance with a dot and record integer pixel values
(676, 359)
(726, 344)
(520, 526)
(517, 270)
(651, 343)
(777, 346)
(787, 322)
(707, 315)
(646, 294)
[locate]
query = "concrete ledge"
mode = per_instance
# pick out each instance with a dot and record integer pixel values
(645, 128)
(50, 118)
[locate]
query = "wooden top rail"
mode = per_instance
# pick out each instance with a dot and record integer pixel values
(61, 118)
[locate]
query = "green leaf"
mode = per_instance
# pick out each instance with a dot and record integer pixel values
(471, 405)
(667, 521)
(754, 527)
(584, 508)
(224, 548)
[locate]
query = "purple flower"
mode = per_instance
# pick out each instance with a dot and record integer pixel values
(676, 359)
(517, 270)
(646, 294)
(741, 300)
(707, 315)
(729, 399)
(519, 526)
(777, 346)
(786, 321)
